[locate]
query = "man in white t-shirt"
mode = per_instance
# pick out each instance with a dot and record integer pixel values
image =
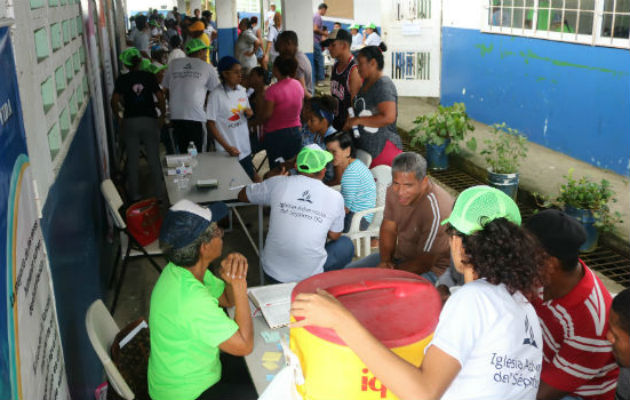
(304, 214)
(188, 80)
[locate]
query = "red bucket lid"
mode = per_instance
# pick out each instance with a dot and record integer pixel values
(397, 307)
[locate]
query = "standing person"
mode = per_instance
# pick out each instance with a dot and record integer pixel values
(142, 36)
(287, 46)
(246, 46)
(573, 310)
(197, 31)
(282, 113)
(357, 38)
(140, 123)
(270, 47)
(176, 49)
(344, 80)
(197, 13)
(188, 80)
(376, 109)
(269, 15)
(191, 336)
(488, 333)
(211, 31)
(318, 35)
(253, 23)
(411, 238)
(305, 213)
(227, 112)
(619, 336)
(371, 36)
(358, 188)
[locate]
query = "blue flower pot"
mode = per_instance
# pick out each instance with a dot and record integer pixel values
(437, 159)
(507, 183)
(586, 218)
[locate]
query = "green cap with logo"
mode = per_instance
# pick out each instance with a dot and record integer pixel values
(479, 205)
(371, 26)
(194, 45)
(355, 26)
(128, 55)
(312, 159)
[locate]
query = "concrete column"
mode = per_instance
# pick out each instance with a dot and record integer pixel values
(226, 25)
(181, 6)
(297, 15)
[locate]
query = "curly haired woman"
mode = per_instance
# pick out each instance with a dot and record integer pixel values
(488, 343)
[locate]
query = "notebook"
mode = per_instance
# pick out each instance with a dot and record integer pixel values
(274, 301)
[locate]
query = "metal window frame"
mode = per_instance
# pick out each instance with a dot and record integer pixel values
(594, 39)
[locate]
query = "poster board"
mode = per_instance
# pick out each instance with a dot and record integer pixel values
(340, 9)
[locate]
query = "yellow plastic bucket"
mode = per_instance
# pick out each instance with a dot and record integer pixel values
(399, 308)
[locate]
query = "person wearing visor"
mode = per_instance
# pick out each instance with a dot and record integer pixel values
(488, 342)
(187, 81)
(305, 213)
(137, 91)
(197, 30)
(371, 36)
(188, 327)
(357, 37)
(345, 81)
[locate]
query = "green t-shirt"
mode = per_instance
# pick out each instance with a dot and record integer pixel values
(187, 325)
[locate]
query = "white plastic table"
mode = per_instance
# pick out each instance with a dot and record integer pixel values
(231, 177)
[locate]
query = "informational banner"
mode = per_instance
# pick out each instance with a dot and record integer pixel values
(31, 356)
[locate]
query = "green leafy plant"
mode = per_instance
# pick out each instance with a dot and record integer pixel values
(446, 123)
(585, 194)
(505, 151)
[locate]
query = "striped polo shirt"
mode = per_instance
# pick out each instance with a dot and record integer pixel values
(358, 188)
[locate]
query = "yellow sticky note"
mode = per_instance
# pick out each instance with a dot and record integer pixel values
(271, 366)
(272, 356)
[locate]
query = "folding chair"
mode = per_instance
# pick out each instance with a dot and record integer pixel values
(132, 249)
(102, 329)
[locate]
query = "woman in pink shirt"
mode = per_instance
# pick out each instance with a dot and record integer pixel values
(283, 104)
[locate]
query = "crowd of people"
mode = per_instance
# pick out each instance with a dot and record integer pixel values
(523, 316)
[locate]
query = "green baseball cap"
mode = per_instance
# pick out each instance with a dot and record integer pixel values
(355, 26)
(478, 205)
(129, 54)
(145, 65)
(371, 26)
(194, 45)
(312, 159)
(154, 69)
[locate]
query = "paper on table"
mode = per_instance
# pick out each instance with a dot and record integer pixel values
(274, 302)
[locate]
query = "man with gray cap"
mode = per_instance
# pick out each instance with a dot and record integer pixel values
(573, 310)
(188, 326)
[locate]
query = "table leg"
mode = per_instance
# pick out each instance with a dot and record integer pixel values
(249, 236)
(260, 243)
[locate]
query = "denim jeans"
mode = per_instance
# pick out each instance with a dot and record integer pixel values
(374, 259)
(318, 62)
(363, 224)
(285, 143)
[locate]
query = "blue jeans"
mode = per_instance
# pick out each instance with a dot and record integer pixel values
(374, 259)
(318, 62)
(363, 224)
(285, 143)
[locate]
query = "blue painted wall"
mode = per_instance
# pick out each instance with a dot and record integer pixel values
(73, 226)
(572, 98)
(226, 38)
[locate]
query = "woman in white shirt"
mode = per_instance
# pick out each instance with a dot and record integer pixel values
(372, 38)
(488, 342)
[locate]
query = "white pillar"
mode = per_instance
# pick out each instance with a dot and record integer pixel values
(226, 26)
(181, 6)
(297, 16)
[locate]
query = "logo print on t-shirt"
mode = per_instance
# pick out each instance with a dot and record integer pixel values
(188, 66)
(529, 331)
(306, 196)
(364, 113)
(236, 113)
(137, 88)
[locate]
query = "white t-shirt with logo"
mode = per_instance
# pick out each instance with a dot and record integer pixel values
(303, 210)
(188, 80)
(496, 337)
(226, 108)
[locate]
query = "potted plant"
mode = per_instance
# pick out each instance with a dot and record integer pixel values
(588, 202)
(441, 132)
(503, 154)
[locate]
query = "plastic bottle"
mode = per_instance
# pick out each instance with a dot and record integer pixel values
(355, 129)
(182, 179)
(192, 152)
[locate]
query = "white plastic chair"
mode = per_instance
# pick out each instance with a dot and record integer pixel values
(129, 247)
(361, 239)
(365, 157)
(102, 329)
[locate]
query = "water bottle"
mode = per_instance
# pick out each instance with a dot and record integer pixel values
(182, 179)
(355, 129)
(192, 152)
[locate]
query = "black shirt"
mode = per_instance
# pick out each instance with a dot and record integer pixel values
(340, 89)
(137, 89)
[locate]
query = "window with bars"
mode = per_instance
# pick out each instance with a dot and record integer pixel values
(408, 10)
(597, 22)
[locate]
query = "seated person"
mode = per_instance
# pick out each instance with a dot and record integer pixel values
(304, 214)
(573, 312)
(188, 326)
(619, 336)
(487, 344)
(357, 182)
(411, 237)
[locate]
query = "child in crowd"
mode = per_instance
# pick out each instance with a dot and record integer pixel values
(256, 94)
